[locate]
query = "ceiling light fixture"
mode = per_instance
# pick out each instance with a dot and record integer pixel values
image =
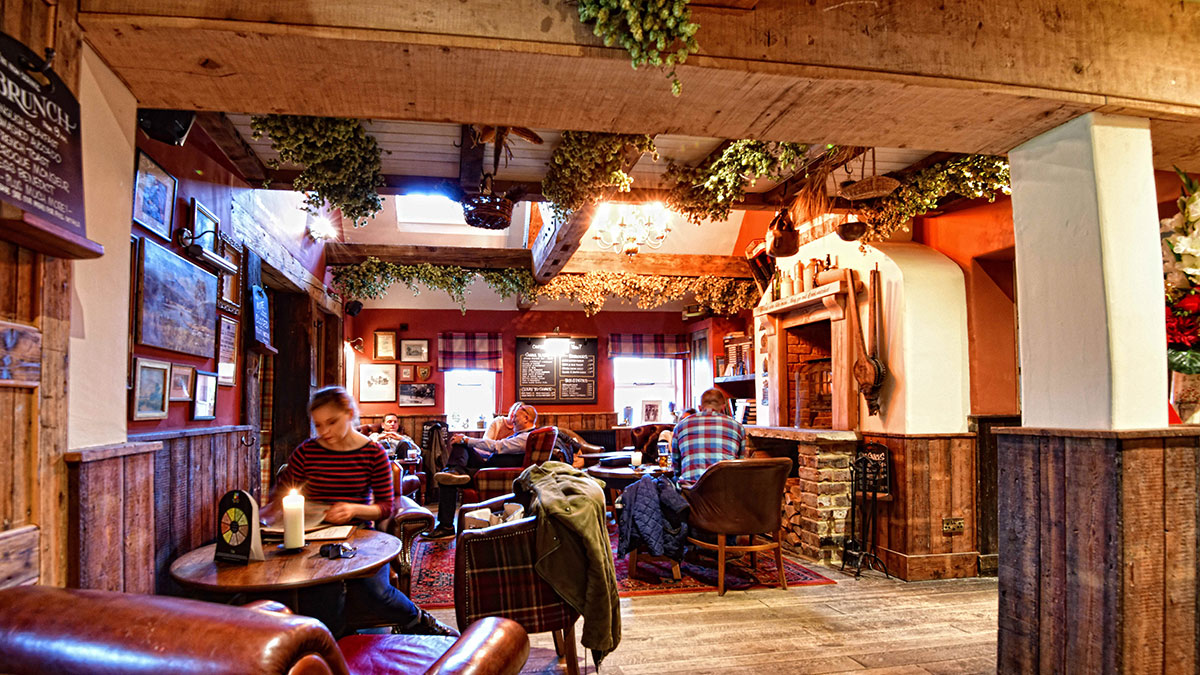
(626, 228)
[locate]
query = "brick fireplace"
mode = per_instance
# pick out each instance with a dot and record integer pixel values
(810, 376)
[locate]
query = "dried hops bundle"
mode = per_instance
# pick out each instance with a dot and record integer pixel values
(372, 278)
(586, 165)
(710, 191)
(340, 160)
(655, 32)
(593, 289)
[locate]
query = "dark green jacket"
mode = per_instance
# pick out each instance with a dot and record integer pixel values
(573, 551)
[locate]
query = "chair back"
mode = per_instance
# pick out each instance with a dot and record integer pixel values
(645, 436)
(539, 444)
(739, 496)
(494, 576)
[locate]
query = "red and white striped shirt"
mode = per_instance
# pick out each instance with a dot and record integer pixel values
(359, 476)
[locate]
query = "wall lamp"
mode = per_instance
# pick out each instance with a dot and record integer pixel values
(356, 344)
(193, 248)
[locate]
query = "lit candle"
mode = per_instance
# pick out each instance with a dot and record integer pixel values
(637, 459)
(293, 520)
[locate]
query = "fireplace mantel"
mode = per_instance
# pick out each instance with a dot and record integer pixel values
(826, 302)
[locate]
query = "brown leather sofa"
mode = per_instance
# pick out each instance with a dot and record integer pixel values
(68, 631)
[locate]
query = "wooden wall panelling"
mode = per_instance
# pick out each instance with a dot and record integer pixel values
(1091, 551)
(1181, 649)
(50, 511)
(987, 536)
(140, 523)
(1019, 498)
(1051, 544)
(1143, 566)
(20, 355)
(19, 556)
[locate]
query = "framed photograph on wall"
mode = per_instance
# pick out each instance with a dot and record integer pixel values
(376, 382)
(385, 345)
(204, 405)
(153, 196)
(181, 382)
(651, 410)
(420, 393)
(150, 384)
(206, 228)
(230, 298)
(406, 373)
(414, 351)
(227, 352)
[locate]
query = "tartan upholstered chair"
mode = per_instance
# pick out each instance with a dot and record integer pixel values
(492, 482)
(494, 576)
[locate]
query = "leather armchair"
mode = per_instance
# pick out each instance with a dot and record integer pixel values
(492, 482)
(645, 438)
(69, 631)
(740, 497)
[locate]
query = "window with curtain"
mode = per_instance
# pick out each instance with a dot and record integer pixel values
(647, 375)
(471, 363)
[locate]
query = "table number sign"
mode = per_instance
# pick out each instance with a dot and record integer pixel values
(238, 538)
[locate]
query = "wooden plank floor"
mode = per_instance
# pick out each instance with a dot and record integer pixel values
(870, 625)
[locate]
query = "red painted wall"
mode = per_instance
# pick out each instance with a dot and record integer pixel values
(427, 324)
(980, 239)
(754, 226)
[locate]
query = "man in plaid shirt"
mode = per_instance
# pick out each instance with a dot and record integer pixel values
(703, 439)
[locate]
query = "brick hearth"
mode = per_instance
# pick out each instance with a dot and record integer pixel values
(817, 503)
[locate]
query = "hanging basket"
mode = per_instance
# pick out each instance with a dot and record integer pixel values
(869, 188)
(488, 211)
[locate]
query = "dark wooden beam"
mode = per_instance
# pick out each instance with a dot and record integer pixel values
(470, 160)
(463, 256)
(659, 263)
(236, 150)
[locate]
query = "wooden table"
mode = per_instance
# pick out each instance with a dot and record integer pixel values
(620, 477)
(283, 571)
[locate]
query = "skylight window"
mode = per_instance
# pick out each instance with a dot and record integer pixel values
(428, 209)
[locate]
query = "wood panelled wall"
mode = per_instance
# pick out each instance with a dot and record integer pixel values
(933, 477)
(1098, 543)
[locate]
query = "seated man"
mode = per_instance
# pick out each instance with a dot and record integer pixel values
(468, 455)
(703, 439)
(390, 438)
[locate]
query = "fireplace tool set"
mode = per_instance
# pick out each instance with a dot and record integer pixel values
(869, 477)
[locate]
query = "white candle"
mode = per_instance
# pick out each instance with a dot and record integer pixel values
(637, 459)
(293, 520)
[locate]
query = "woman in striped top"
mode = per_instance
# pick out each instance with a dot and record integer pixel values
(350, 471)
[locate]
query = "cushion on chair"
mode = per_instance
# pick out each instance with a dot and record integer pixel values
(383, 654)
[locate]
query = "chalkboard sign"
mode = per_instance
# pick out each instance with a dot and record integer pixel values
(41, 168)
(548, 373)
(262, 316)
(875, 462)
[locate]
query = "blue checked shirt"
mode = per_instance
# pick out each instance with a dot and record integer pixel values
(704, 439)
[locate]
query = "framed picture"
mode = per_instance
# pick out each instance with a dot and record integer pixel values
(423, 372)
(206, 227)
(204, 405)
(414, 351)
(651, 411)
(385, 345)
(153, 196)
(150, 382)
(376, 382)
(177, 305)
(421, 393)
(181, 382)
(230, 298)
(227, 352)
(406, 373)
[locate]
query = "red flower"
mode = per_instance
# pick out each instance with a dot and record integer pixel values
(1189, 303)
(1181, 331)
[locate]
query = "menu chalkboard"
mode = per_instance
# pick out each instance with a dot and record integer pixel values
(556, 370)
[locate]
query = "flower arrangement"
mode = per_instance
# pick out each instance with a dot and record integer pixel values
(593, 289)
(1181, 276)
(971, 176)
(373, 277)
(709, 191)
(586, 165)
(340, 160)
(659, 33)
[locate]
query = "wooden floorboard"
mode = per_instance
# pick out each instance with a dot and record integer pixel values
(870, 625)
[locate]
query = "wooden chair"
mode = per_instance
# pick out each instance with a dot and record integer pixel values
(740, 497)
(494, 577)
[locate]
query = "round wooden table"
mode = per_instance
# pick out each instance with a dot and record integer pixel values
(284, 571)
(620, 477)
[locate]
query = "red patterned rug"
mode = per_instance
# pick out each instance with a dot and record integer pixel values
(433, 574)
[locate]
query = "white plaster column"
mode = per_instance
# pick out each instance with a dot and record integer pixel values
(1089, 277)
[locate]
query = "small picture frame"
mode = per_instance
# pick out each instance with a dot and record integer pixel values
(414, 351)
(376, 382)
(417, 394)
(229, 297)
(385, 345)
(151, 380)
(227, 351)
(406, 373)
(651, 410)
(182, 378)
(204, 404)
(153, 196)
(206, 227)
(423, 372)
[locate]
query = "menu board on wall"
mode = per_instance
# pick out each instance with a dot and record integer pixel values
(556, 370)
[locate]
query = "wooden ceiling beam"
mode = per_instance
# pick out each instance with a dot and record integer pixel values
(463, 256)
(236, 150)
(659, 263)
(786, 191)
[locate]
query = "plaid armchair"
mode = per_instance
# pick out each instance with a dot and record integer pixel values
(495, 481)
(494, 576)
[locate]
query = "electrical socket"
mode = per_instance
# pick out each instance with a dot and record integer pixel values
(953, 525)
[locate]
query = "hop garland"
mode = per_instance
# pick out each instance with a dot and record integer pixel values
(593, 289)
(586, 165)
(971, 176)
(373, 277)
(340, 159)
(655, 32)
(710, 191)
